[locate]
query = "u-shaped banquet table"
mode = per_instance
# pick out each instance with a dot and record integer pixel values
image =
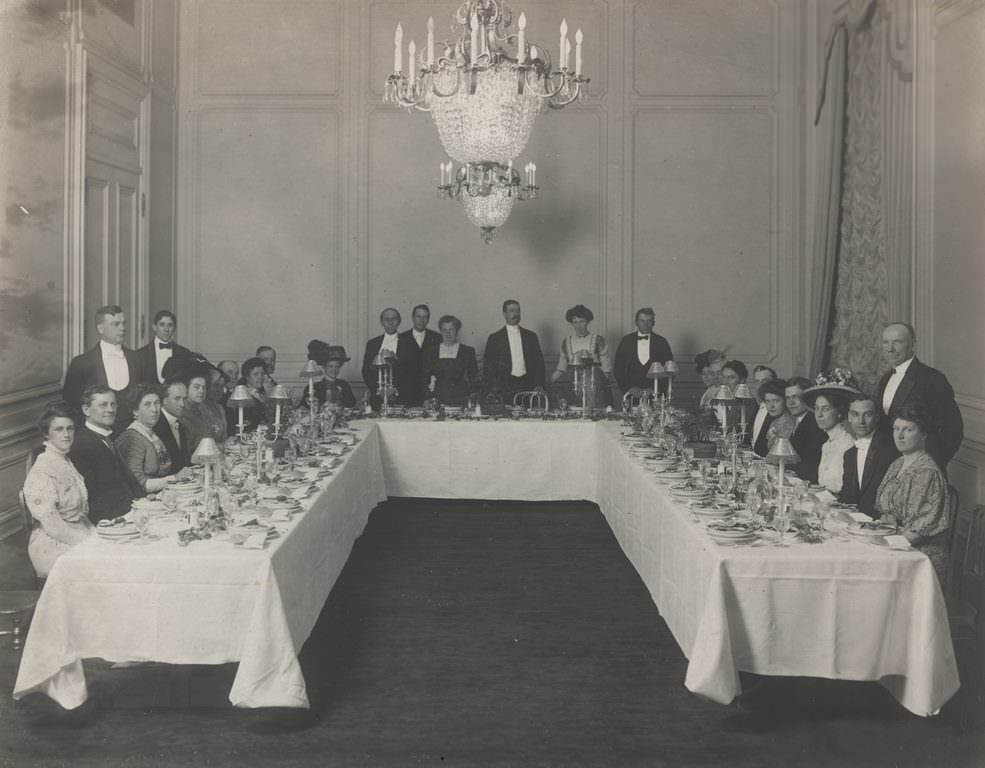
(840, 609)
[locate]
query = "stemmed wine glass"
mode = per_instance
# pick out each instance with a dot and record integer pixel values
(141, 519)
(170, 500)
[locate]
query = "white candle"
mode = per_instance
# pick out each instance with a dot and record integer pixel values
(533, 174)
(311, 391)
(441, 174)
(398, 44)
(430, 41)
(567, 53)
(564, 35)
(208, 477)
(670, 387)
(578, 39)
(534, 53)
(411, 64)
(242, 426)
(474, 41)
(277, 419)
(521, 38)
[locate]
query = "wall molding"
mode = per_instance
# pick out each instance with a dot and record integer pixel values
(948, 11)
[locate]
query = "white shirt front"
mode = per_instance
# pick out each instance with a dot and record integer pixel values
(893, 384)
(862, 444)
(173, 423)
(389, 342)
(757, 423)
(516, 351)
(419, 337)
(643, 349)
(161, 356)
(115, 363)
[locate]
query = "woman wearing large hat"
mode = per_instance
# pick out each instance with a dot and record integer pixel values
(830, 398)
(331, 388)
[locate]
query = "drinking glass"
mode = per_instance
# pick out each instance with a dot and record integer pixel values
(141, 519)
(170, 500)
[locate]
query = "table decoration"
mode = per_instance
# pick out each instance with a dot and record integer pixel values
(782, 453)
(240, 399)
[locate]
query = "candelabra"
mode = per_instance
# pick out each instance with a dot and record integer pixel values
(583, 366)
(383, 363)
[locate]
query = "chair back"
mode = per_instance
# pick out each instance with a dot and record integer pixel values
(27, 520)
(966, 569)
(533, 401)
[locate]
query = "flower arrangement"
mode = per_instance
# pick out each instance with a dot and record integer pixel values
(837, 377)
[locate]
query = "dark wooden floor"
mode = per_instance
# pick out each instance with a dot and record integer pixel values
(480, 634)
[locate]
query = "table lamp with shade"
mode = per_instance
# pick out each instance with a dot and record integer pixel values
(722, 401)
(311, 371)
(656, 372)
(208, 454)
(279, 396)
(671, 370)
(782, 453)
(743, 396)
(240, 399)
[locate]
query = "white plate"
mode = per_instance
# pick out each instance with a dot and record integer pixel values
(118, 532)
(720, 539)
(868, 533)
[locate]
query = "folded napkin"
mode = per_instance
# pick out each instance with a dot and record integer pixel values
(860, 517)
(255, 540)
(300, 493)
(898, 541)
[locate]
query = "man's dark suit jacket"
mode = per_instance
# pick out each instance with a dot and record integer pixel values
(928, 387)
(405, 372)
(432, 339)
(87, 369)
(628, 370)
(498, 362)
(110, 485)
(147, 359)
(180, 457)
(877, 461)
(807, 440)
(762, 444)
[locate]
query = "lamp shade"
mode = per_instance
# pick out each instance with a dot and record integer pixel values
(240, 398)
(782, 450)
(279, 395)
(656, 371)
(671, 367)
(310, 370)
(742, 392)
(384, 359)
(723, 396)
(207, 452)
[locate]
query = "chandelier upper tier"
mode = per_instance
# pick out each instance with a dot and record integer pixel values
(484, 91)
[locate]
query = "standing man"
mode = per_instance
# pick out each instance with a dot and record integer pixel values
(109, 363)
(807, 437)
(513, 360)
(424, 339)
(867, 462)
(405, 380)
(170, 429)
(110, 486)
(161, 348)
(637, 351)
(911, 382)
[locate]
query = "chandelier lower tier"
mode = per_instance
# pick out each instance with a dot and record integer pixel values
(484, 92)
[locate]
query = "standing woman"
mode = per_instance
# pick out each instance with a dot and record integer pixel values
(450, 371)
(913, 494)
(55, 492)
(580, 341)
(203, 416)
(140, 449)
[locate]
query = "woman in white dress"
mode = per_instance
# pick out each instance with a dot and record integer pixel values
(55, 492)
(830, 403)
(583, 342)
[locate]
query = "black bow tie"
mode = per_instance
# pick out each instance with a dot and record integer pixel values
(642, 337)
(164, 345)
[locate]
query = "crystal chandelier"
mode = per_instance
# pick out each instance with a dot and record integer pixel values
(484, 93)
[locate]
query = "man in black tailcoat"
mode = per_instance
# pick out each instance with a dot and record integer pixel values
(637, 351)
(513, 361)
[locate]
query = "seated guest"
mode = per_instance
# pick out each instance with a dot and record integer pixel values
(55, 492)
(204, 417)
(637, 351)
(760, 374)
(581, 341)
(424, 339)
(779, 422)
(709, 367)
(734, 373)
(269, 357)
(139, 447)
(450, 371)
(914, 495)
(230, 374)
(255, 378)
(162, 347)
(865, 463)
(174, 400)
(109, 363)
(513, 360)
(807, 437)
(330, 388)
(404, 367)
(109, 484)
(830, 403)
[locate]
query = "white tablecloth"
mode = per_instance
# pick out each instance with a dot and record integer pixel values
(840, 610)
(208, 603)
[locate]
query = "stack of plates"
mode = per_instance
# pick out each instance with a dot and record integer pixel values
(869, 532)
(711, 510)
(152, 506)
(123, 532)
(289, 506)
(186, 486)
(684, 491)
(731, 531)
(672, 475)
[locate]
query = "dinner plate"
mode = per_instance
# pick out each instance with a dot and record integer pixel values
(118, 532)
(869, 533)
(721, 538)
(689, 494)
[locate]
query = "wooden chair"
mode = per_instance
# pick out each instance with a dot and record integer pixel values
(965, 593)
(17, 605)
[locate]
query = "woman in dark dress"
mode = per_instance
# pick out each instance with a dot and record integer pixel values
(254, 376)
(450, 371)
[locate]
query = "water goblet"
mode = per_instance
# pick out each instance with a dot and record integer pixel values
(141, 519)
(170, 500)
